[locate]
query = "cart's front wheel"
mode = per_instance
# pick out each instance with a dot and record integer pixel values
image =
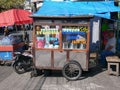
(72, 70)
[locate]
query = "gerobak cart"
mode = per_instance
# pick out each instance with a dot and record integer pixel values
(62, 43)
(7, 52)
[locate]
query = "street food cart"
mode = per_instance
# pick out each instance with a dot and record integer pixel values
(62, 43)
(7, 51)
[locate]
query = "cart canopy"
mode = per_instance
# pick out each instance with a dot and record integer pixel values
(15, 16)
(56, 9)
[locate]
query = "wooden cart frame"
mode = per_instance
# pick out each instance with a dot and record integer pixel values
(53, 52)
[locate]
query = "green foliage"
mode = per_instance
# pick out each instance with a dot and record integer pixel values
(9, 4)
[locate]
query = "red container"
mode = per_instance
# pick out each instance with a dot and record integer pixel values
(6, 48)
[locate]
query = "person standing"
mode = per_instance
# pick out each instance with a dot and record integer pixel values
(26, 38)
(6, 32)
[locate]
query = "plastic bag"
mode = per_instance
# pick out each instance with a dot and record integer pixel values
(6, 41)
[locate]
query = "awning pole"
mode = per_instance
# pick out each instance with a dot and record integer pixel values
(16, 27)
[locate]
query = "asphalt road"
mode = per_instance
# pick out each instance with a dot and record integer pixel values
(95, 79)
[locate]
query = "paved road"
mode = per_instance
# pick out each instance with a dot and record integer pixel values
(95, 79)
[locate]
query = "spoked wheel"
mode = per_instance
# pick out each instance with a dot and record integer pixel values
(72, 70)
(19, 68)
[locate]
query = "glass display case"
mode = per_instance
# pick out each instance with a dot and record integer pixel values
(74, 37)
(61, 37)
(47, 36)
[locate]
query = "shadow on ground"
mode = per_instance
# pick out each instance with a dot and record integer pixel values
(90, 73)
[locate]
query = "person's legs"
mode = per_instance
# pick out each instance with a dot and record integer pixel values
(103, 55)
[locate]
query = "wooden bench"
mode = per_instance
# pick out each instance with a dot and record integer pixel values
(113, 61)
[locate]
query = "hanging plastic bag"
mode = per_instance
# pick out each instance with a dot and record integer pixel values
(6, 41)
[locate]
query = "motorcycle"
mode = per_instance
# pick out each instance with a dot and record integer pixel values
(22, 62)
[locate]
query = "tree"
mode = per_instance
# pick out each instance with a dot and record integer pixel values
(9, 4)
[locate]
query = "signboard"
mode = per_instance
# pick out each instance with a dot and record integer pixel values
(96, 31)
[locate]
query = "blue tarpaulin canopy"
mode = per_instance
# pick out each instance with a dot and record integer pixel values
(56, 9)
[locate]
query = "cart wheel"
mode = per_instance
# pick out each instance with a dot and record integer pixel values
(72, 70)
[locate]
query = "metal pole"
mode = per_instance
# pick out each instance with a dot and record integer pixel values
(16, 27)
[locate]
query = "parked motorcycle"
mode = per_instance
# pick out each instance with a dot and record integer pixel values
(22, 62)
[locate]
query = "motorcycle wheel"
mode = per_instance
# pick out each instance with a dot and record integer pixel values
(19, 68)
